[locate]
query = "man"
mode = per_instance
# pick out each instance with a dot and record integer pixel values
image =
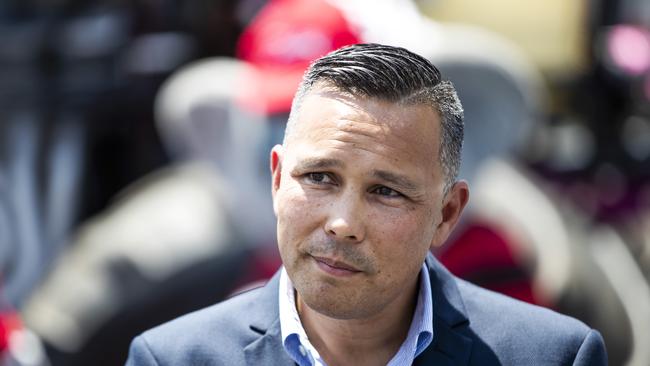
(363, 187)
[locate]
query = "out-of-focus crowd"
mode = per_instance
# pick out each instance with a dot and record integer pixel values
(134, 140)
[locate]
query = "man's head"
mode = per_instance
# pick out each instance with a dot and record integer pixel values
(364, 185)
(395, 75)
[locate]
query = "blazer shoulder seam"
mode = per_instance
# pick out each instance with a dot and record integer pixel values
(590, 331)
(148, 348)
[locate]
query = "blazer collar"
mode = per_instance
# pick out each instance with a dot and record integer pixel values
(266, 347)
(450, 346)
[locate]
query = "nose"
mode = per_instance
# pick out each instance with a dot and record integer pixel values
(346, 221)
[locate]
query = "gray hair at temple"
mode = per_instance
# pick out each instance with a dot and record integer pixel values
(396, 75)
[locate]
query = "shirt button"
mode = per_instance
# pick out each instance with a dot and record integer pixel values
(303, 351)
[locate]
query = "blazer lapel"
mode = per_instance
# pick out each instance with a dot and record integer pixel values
(266, 346)
(268, 349)
(449, 346)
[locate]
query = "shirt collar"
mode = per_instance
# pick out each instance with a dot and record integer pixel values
(297, 345)
(294, 338)
(420, 333)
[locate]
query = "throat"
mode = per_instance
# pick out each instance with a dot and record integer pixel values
(358, 342)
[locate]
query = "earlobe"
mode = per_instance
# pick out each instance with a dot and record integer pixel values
(453, 205)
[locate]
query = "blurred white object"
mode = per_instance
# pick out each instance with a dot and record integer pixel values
(625, 277)
(159, 226)
(200, 117)
(25, 349)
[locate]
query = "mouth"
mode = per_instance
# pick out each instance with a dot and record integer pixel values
(334, 267)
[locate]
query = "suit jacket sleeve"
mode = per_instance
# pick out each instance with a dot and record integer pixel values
(591, 351)
(140, 354)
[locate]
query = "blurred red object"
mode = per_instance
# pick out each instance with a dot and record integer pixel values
(9, 322)
(280, 43)
(482, 255)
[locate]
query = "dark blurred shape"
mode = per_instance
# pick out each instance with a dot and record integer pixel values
(77, 85)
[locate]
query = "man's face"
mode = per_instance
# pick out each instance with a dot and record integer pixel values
(358, 194)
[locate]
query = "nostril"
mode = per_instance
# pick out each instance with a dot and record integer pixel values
(334, 233)
(344, 230)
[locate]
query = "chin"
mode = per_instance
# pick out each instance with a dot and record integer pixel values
(338, 306)
(335, 310)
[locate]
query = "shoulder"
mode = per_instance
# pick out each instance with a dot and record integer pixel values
(218, 333)
(483, 305)
(224, 317)
(523, 333)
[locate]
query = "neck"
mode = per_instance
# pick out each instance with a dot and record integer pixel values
(372, 340)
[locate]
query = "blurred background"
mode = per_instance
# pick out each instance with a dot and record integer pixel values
(134, 139)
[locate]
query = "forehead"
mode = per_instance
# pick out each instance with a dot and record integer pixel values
(338, 122)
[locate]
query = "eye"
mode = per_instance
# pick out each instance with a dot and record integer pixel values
(318, 178)
(387, 192)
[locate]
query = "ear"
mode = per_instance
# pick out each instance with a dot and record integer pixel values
(275, 162)
(452, 206)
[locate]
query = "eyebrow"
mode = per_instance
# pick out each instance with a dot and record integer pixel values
(398, 180)
(318, 163)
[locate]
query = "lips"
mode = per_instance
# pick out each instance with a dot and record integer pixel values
(336, 265)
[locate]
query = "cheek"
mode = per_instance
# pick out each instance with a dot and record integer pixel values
(397, 223)
(292, 204)
(401, 237)
(297, 215)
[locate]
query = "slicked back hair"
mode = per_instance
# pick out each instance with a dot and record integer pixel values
(395, 75)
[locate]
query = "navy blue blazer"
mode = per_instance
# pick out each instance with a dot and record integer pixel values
(472, 326)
